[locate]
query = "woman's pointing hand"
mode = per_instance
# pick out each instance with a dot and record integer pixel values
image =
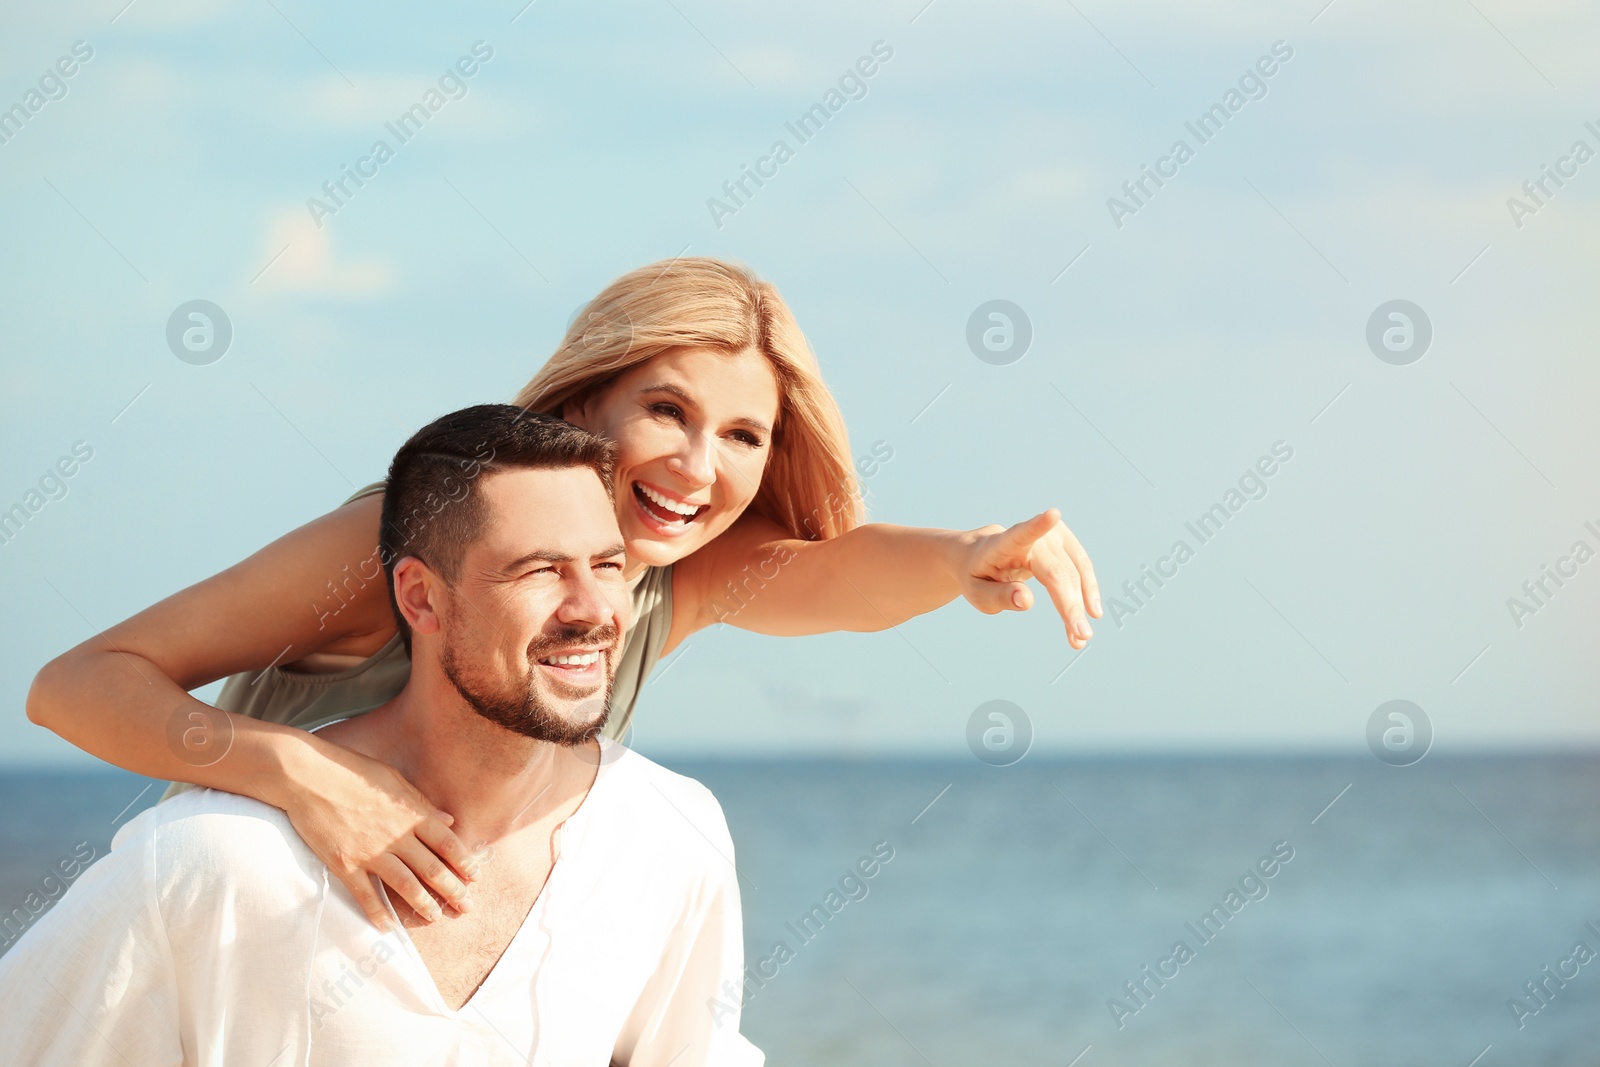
(1000, 561)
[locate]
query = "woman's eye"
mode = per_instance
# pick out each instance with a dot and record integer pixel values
(671, 411)
(746, 437)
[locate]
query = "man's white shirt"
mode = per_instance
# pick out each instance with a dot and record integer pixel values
(211, 936)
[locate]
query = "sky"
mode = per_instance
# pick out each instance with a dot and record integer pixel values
(1178, 335)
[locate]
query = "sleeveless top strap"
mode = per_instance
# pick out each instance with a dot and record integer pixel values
(641, 650)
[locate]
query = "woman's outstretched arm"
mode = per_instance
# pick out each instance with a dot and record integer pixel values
(122, 696)
(755, 576)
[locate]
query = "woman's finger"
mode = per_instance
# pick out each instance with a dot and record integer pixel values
(992, 598)
(432, 872)
(1080, 559)
(1061, 580)
(1020, 538)
(359, 883)
(396, 874)
(448, 847)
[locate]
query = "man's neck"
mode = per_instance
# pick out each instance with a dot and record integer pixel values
(493, 781)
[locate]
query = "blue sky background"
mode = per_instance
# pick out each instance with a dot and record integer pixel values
(1229, 313)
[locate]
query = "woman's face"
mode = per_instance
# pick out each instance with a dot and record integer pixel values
(693, 430)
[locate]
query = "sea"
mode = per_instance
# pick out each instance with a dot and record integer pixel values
(1117, 911)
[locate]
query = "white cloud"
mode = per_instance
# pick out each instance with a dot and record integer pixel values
(306, 263)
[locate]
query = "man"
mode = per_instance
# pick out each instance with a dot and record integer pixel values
(605, 911)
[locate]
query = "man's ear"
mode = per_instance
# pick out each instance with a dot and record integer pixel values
(418, 591)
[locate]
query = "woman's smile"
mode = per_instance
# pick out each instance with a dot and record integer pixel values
(665, 513)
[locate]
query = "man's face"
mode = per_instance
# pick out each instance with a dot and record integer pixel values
(532, 629)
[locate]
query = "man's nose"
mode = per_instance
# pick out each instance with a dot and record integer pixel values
(586, 603)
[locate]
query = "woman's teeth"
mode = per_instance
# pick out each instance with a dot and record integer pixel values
(583, 660)
(681, 512)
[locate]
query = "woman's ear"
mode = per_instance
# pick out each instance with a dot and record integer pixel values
(575, 409)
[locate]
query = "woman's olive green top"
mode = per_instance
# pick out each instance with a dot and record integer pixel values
(309, 700)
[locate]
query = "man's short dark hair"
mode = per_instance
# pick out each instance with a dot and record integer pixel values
(430, 510)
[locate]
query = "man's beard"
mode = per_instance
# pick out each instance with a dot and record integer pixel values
(520, 710)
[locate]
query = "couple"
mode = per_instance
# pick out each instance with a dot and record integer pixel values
(736, 501)
(604, 913)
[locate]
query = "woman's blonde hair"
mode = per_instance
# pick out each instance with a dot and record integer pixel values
(809, 487)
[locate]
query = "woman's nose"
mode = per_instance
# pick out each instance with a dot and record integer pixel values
(696, 459)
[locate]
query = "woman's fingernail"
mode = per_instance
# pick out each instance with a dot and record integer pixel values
(1016, 597)
(464, 903)
(1096, 601)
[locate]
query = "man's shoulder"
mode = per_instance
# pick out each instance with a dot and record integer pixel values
(207, 837)
(672, 809)
(201, 813)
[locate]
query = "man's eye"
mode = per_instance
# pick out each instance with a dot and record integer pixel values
(609, 564)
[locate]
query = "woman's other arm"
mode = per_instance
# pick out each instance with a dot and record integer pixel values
(122, 696)
(876, 576)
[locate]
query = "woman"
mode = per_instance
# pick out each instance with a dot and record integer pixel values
(737, 501)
